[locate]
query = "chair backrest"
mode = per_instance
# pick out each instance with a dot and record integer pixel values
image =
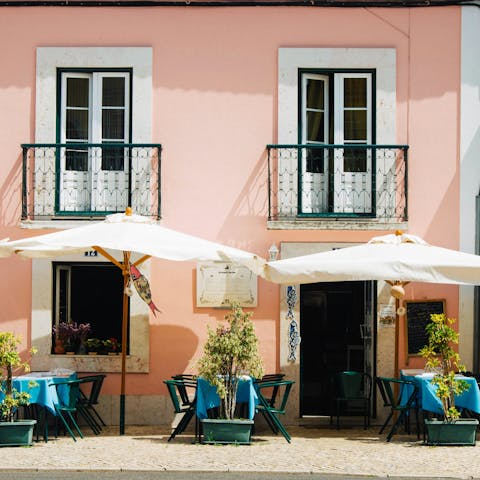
(185, 382)
(96, 383)
(282, 385)
(175, 387)
(271, 377)
(391, 398)
(352, 384)
(68, 398)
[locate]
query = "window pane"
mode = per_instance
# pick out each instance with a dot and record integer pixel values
(77, 125)
(315, 127)
(76, 160)
(355, 161)
(315, 94)
(113, 159)
(355, 92)
(77, 92)
(113, 124)
(315, 160)
(355, 125)
(113, 92)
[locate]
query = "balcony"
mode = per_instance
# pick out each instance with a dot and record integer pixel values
(319, 185)
(84, 180)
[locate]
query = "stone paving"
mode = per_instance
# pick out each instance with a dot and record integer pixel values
(348, 451)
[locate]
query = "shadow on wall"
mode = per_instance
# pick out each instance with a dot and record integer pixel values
(11, 194)
(172, 349)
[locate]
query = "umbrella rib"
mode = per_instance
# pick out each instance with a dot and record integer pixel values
(108, 256)
(141, 260)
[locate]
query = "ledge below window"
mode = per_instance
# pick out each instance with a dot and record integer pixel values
(90, 363)
(336, 224)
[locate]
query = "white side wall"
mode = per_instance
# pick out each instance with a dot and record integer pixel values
(469, 162)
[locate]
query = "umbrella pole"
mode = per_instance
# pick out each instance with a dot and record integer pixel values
(397, 336)
(126, 281)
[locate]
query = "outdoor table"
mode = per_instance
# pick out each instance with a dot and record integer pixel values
(208, 398)
(44, 394)
(427, 399)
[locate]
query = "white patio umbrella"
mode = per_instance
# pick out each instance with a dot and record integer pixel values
(116, 238)
(396, 258)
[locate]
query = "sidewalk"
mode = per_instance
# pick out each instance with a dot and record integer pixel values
(313, 450)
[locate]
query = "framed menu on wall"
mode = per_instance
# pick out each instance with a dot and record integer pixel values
(220, 283)
(417, 317)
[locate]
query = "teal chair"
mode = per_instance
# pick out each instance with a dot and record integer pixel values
(400, 396)
(271, 412)
(183, 403)
(68, 393)
(91, 387)
(352, 396)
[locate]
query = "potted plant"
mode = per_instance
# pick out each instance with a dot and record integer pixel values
(12, 432)
(445, 362)
(70, 336)
(230, 352)
(111, 346)
(93, 345)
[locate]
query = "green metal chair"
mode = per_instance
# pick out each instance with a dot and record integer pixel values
(67, 404)
(91, 387)
(271, 412)
(183, 403)
(400, 396)
(353, 392)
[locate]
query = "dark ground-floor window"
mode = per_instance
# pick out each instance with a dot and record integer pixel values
(89, 293)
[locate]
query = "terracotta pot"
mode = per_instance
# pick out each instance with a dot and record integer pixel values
(59, 349)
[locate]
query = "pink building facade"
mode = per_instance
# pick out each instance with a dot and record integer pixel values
(226, 112)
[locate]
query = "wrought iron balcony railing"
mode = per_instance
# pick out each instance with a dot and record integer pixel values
(85, 179)
(337, 181)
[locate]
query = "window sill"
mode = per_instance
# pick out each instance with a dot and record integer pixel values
(336, 224)
(90, 363)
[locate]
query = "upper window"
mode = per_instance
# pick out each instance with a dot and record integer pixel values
(336, 108)
(95, 112)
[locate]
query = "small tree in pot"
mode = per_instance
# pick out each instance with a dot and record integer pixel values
(445, 362)
(10, 363)
(231, 351)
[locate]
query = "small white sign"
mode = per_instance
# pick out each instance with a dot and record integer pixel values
(220, 283)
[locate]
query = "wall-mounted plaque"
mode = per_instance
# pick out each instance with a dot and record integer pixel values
(219, 283)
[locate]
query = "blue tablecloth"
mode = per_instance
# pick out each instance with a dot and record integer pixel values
(428, 400)
(207, 396)
(42, 394)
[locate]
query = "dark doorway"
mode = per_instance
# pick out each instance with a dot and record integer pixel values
(336, 331)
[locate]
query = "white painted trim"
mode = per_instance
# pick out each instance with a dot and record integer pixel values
(42, 302)
(382, 59)
(49, 59)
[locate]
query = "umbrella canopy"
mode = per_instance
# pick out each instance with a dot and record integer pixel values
(132, 233)
(116, 238)
(395, 257)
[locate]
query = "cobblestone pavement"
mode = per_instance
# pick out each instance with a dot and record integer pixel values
(348, 451)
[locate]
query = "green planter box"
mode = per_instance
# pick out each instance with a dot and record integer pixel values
(460, 432)
(227, 431)
(19, 433)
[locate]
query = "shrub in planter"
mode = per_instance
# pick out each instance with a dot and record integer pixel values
(10, 363)
(443, 359)
(231, 350)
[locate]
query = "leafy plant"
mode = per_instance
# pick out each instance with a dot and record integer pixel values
(231, 350)
(71, 333)
(111, 345)
(93, 344)
(443, 359)
(10, 362)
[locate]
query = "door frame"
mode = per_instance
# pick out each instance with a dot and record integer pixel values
(291, 367)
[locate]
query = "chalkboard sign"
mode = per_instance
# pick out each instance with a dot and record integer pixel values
(417, 318)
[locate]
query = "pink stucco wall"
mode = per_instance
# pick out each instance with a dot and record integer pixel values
(214, 110)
